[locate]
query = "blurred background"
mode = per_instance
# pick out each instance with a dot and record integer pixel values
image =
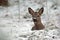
(16, 22)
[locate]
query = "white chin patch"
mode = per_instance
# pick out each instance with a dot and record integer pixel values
(34, 18)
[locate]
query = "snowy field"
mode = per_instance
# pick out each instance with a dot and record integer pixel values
(16, 22)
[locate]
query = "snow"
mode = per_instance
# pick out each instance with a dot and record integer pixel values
(13, 28)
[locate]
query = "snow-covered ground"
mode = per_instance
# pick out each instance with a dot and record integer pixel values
(15, 26)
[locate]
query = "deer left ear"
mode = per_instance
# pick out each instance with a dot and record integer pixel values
(41, 11)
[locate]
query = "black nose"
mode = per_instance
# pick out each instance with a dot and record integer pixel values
(34, 20)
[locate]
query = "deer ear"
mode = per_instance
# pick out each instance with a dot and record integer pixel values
(41, 11)
(30, 11)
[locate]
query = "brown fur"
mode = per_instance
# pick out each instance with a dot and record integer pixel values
(36, 19)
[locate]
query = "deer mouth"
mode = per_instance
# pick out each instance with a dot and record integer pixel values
(34, 20)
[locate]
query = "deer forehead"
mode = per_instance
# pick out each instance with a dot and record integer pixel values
(35, 14)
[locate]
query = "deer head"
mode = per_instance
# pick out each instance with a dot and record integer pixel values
(36, 18)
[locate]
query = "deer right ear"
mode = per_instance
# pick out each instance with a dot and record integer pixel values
(30, 11)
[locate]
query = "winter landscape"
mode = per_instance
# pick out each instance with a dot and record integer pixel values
(16, 22)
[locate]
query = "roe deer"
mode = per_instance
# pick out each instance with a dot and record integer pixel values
(36, 19)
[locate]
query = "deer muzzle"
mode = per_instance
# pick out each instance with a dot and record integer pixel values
(35, 20)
